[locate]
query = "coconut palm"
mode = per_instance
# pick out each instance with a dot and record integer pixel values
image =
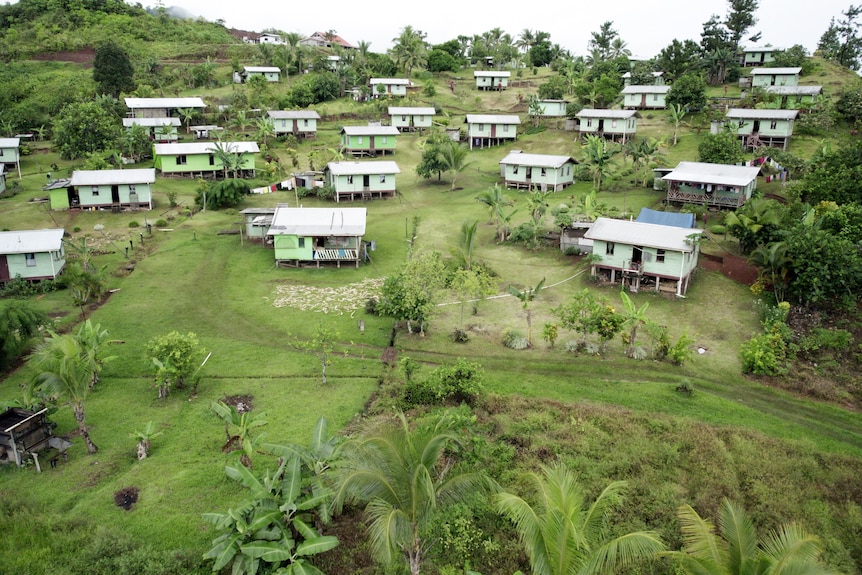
(453, 156)
(774, 263)
(564, 535)
(676, 114)
(409, 50)
(634, 318)
(263, 130)
(400, 476)
(467, 244)
(187, 115)
(734, 548)
(92, 339)
(527, 295)
(596, 156)
(493, 197)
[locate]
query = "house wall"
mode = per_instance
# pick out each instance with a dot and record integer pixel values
(782, 128)
(292, 247)
(561, 176)
(197, 163)
(730, 193)
(673, 263)
(59, 199)
(645, 100)
(46, 264)
(353, 183)
(9, 155)
(269, 76)
(611, 126)
(492, 131)
(290, 126)
(163, 134)
(758, 58)
(368, 142)
(2, 183)
(151, 113)
(553, 109)
(775, 80)
(391, 89)
(411, 120)
(89, 198)
(491, 82)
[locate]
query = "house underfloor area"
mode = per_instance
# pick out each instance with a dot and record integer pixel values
(635, 280)
(363, 195)
(325, 256)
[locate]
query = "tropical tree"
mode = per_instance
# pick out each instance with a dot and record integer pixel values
(409, 49)
(63, 374)
(466, 244)
(227, 154)
(774, 263)
(453, 158)
(526, 296)
(84, 127)
(92, 339)
(563, 535)
(321, 346)
(754, 223)
(841, 41)
(238, 427)
(144, 438)
(733, 548)
(112, 70)
(186, 116)
(596, 156)
(676, 113)
(175, 357)
(688, 91)
(492, 198)
(19, 326)
(634, 317)
(404, 479)
(264, 129)
(411, 293)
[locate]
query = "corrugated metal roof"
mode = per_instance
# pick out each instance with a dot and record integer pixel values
(705, 173)
(138, 103)
(293, 114)
(654, 74)
(762, 49)
(150, 122)
(537, 160)
(641, 234)
(650, 89)
(613, 114)
(770, 71)
(493, 119)
(318, 221)
(754, 114)
(679, 220)
(491, 74)
(408, 111)
(30, 241)
(112, 177)
(363, 168)
(370, 130)
(258, 211)
(204, 148)
(794, 90)
(262, 69)
(399, 81)
(10, 142)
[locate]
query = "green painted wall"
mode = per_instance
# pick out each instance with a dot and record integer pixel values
(414, 120)
(766, 127)
(288, 126)
(610, 126)
(368, 142)
(674, 262)
(8, 155)
(491, 82)
(291, 247)
(775, 80)
(59, 199)
(758, 58)
(197, 163)
(45, 264)
(552, 176)
(89, 197)
(492, 131)
(344, 184)
(645, 101)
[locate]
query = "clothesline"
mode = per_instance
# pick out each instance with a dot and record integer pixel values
(285, 185)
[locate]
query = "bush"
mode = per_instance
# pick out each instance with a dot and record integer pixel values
(681, 351)
(460, 335)
(372, 306)
(832, 340)
(76, 229)
(134, 224)
(514, 339)
(718, 230)
(460, 383)
(161, 223)
(765, 354)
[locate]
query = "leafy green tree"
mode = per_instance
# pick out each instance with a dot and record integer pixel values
(321, 346)
(442, 61)
(175, 357)
(841, 41)
(398, 475)
(678, 58)
(563, 535)
(273, 530)
(740, 19)
(411, 293)
(526, 297)
(64, 375)
(553, 89)
(721, 148)
(579, 314)
(496, 201)
(774, 264)
(409, 49)
(135, 142)
(82, 128)
(734, 548)
(238, 427)
(474, 283)
(19, 326)
(676, 113)
(112, 70)
(92, 339)
(431, 161)
(633, 318)
(755, 223)
(222, 194)
(688, 91)
(641, 73)
(825, 270)
(601, 42)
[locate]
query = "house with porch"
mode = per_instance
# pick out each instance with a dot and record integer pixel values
(612, 124)
(795, 97)
(643, 97)
(361, 180)
(368, 140)
(104, 189)
(10, 154)
(159, 130)
(485, 130)
(492, 79)
(658, 78)
(762, 77)
(408, 119)
(542, 171)
(161, 107)
(758, 55)
(269, 73)
(644, 256)
(300, 123)
(553, 108)
(200, 159)
(31, 254)
(757, 127)
(712, 185)
(388, 86)
(309, 236)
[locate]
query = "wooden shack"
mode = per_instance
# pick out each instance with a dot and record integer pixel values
(25, 434)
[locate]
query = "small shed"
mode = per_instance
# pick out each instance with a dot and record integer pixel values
(492, 79)
(362, 180)
(542, 171)
(28, 434)
(257, 222)
(10, 154)
(309, 236)
(31, 254)
(408, 119)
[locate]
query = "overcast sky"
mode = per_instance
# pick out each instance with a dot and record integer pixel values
(782, 22)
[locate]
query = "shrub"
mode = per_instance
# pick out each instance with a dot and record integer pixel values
(371, 306)
(172, 198)
(460, 383)
(161, 223)
(834, 340)
(134, 224)
(681, 351)
(514, 339)
(460, 335)
(573, 251)
(76, 229)
(718, 230)
(765, 354)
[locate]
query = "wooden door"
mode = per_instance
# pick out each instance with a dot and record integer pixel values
(4, 269)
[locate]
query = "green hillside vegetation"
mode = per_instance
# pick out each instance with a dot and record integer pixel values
(692, 421)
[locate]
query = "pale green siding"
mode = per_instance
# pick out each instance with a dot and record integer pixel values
(176, 164)
(104, 195)
(758, 58)
(291, 247)
(676, 265)
(297, 126)
(390, 89)
(9, 155)
(2, 183)
(42, 265)
(645, 100)
(550, 178)
(774, 80)
(553, 109)
(360, 182)
(411, 121)
(492, 82)
(385, 143)
(779, 128)
(476, 130)
(608, 125)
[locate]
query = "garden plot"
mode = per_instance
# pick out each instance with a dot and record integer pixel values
(340, 300)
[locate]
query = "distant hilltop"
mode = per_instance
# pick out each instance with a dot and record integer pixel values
(177, 12)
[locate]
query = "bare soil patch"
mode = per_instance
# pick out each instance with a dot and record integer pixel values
(84, 56)
(126, 497)
(242, 403)
(730, 266)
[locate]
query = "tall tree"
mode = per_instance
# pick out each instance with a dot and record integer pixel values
(564, 535)
(740, 19)
(409, 49)
(453, 158)
(526, 296)
(678, 58)
(19, 326)
(112, 70)
(82, 128)
(841, 42)
(734, 548)
(634, 318)
(400, 475)
(596, 156)
(601, 42)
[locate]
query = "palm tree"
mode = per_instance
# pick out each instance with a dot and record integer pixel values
(527, 295)
(230, 159)
(399, 475)
(634, 318)
(596, 155)
(563, 535)
(91, 339)
(65, 375)
(453, 156)
(735, 549)
(409, 50)
(493, 197)
(264, 130)
(590, 208)
(187, 115)
(677, 113)
(238, 428)
(144, 438)
(773, 261)
(466, 244)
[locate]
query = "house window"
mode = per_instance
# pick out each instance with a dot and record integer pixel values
(132, 189)
(182, 160)
(515, 170)
(505, 127)
(30, 259)
(349, 179)
(212, 160)
(1, 151)
(382, 139)
(301, 242)
(382, 178)
(544, 172)
(773, 124)
(655, 97)
(659, 255)
(403, 118)
(609, 248)
(305, 123)
(359, 140)
(613, 123)
(589, 122)
(480, 127)
(95, 190)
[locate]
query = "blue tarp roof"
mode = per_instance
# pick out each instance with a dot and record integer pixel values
(648, 216)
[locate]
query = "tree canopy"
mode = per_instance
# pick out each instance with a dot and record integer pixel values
(112, 70)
